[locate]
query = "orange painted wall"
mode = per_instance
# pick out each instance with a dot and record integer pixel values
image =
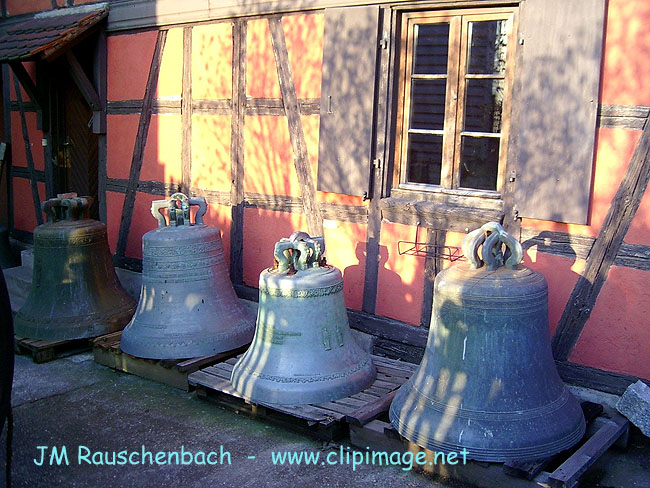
(17, 7)
(219, 216)
(24, 213)
(170, 78)
(120, 138)
(212, 61)
(616, 335)
(18, 153)
(162, 153)
(211, 159)
(128, 72)
(401, 277)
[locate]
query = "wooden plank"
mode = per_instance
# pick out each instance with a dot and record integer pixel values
(440, 216)
(237, 151)
(217, 107)
(430, 272)
(20, 172)
(597, 379)
(568, 474)
(140, 142)
(575, 246)
(557, 125)
(21, 74)
(100, 83)
(80, 79)
(275, 106)
(371, 410)
(120, 185)
(383, 140)
(296, 133)
(127, 107)
(186, 112)
(28, 151)
(606, 247)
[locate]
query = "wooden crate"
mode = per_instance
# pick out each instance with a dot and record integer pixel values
(44, 351)
(566, 468)
(172, 372)
(326, 421)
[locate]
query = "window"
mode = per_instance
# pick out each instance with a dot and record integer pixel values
(455, 84)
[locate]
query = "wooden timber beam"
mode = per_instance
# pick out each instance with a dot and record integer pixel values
(27, 83)
(28, 153)
(83, 83)
(140, 142)
(237, 151)
(296, 133)
(186, 112)
(605, 248)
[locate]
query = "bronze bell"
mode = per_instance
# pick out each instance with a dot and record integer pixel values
(188, 307)
(303, 350)
(75, 292)
(487, 382)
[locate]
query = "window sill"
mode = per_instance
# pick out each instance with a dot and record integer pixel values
(459, 211)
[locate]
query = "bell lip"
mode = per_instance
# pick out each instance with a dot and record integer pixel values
(564, 440)
(267, 392)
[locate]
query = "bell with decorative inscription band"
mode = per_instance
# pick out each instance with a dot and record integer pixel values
(487, 382)
(75, 292)
(188, 307)
(303, 350)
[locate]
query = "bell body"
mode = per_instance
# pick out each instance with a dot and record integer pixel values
(75, 292)
(188, 307)
(303, 350)
(487, 381)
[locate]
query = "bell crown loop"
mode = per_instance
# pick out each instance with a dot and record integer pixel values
(66, 206)
(298, 252)
(178, 207)
(492, 237)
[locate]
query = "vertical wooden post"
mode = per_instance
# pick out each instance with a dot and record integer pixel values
(140, 142)
(237, 151)
(186, 113)
(28, 153)
(6, 76)
(99, 119)
(296, 133)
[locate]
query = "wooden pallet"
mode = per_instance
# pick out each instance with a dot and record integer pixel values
(566, 468)
(172, 372)
(326, 421)
(44, 351)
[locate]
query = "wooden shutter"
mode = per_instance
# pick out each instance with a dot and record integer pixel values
(554, 130)
(348, 86)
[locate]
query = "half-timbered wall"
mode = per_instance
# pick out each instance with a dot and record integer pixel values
(229, 109)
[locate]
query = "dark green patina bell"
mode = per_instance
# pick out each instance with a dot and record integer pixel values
(75, 292)
(487, 382)
(188, 307)
(303, 350)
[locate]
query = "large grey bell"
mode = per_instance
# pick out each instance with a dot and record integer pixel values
(487, 382)
(303, 350)
(188, 307)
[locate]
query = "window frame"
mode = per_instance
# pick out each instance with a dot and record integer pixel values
(458, 19)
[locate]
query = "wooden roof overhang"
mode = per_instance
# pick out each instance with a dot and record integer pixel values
(44, 37)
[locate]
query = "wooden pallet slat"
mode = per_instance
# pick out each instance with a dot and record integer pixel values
(43, 351)
(323, 419)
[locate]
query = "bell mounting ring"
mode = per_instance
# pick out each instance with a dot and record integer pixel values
(299, 252)
(178, 207)
(66, 206)
(492, 237)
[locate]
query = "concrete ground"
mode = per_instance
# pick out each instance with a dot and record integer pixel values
(75, 402)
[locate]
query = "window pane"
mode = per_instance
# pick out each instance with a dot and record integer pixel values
(479, 162)
(431, 46)
(487, 47)
(428, 104)
(483, 105)
(424, 158)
